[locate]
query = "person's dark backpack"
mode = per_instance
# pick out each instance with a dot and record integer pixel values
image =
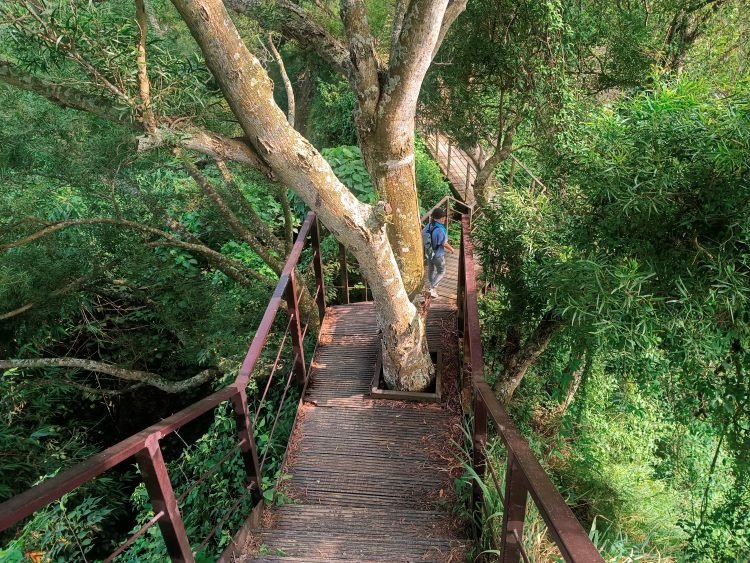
(429, 251)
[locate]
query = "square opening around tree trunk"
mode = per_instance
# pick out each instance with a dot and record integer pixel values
(379, 390)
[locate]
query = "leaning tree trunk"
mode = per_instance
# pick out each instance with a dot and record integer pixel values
(360, 227)
(518, 362)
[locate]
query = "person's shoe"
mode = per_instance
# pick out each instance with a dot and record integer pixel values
(433, 293)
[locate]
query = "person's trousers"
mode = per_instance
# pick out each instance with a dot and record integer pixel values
(435, 270)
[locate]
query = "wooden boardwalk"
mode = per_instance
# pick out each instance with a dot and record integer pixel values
(372, 480)
(454, 163)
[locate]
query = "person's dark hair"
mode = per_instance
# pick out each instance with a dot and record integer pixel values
(438, 213)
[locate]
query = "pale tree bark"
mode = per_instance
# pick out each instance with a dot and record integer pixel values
(291, 117)
(146, 377)
(387, 104)
(361, 227)
(290, 112)
(518, 362)
(386, 97)
(144, 84)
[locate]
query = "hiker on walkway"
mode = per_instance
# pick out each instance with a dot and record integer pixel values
(435, 242)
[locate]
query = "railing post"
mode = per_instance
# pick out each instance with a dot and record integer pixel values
(461, 282)
(514, 512)
(154, 473)
(248, 449)
(468, 168)
(437, 146)
(343, 273)
(447, 213)
(296, 329)
(318, 267)
(448, 171)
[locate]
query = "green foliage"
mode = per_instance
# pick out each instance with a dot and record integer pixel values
(332, 115)
(431, 184)
(349, 167)
(641, 250)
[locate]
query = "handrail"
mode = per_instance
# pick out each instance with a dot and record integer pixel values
(524, 474)
(145, 446)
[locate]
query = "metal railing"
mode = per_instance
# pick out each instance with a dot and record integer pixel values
(524, 476)
(457, 159)
(344, 289)
(146, 446)
(466, 168)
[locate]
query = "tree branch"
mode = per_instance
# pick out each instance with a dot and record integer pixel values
(74, 285)
(232, 221)
(216, 259)
(518, 363)
(363, 71)
(211, 144)
(412, 56)
(285, 79)
(64, 96)
(455, 8)
(149, 121)
(257, 224)
(398, 23)
(293, 22)
(145, 377)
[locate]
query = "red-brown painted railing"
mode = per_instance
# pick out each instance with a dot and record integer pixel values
(145, 446)
(524, 475)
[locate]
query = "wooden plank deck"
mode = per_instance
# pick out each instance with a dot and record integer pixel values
(372, 480)
(458, 170)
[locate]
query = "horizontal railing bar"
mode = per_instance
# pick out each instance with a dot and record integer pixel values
(563, 526)
(138, 534)
(212, 469)
(31, 500)
(274, 303)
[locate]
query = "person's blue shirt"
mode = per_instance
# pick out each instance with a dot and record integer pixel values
(439, 236)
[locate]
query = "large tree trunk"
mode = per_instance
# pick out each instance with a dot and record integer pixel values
(386, 110)
(360, 227)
